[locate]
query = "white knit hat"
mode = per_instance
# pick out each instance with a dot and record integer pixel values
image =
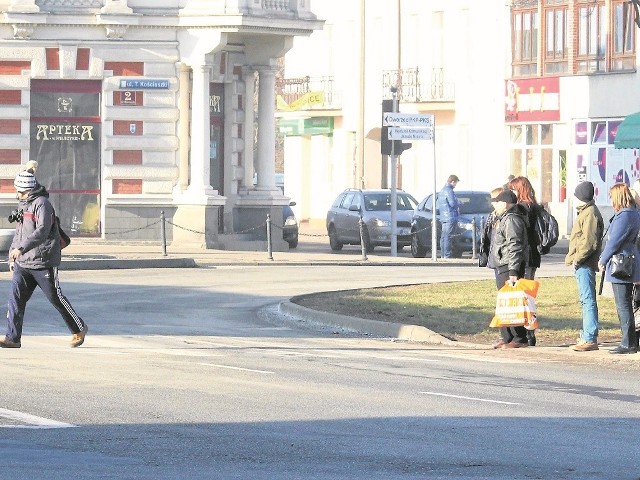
(25, 181)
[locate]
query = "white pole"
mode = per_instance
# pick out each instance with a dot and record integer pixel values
(434, 241)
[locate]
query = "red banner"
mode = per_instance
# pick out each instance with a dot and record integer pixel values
(532, 100)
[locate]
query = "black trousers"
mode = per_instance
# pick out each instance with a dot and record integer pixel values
(23, 284)
(510, 334)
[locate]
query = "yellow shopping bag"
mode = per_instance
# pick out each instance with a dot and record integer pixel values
(516, 305)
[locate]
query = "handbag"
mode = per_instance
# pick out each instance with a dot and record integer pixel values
(516, 305)
(622, 266)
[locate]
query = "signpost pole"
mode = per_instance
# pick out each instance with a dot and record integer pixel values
(394, 182)
(434, 241)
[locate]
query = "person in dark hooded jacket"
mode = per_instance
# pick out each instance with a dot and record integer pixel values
(34, 257)
(508, 255)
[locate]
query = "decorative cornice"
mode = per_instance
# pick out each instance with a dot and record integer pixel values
(116, 32)
(22, 31)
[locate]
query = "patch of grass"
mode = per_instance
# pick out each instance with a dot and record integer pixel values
(462, 310)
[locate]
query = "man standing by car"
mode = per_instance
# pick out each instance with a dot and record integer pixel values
(449, 208)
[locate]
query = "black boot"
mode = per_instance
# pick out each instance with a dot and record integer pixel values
(531, 338)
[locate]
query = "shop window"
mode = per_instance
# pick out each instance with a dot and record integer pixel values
(613, 131)
(546, 131)
(532, 134)
(516, 162)
(546, 178)
(581, 133)
(599, 132)
(516, 133)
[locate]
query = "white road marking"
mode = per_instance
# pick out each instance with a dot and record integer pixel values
(469, 398)
(30, 421)
(235, 368)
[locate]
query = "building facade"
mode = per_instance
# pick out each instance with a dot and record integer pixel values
(447, 58)
(138, 108)
(525, 87)
(573, 79)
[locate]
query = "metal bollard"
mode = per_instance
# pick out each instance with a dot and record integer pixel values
(364, 247)
(269, 246)
(163, 233)
(474, 237)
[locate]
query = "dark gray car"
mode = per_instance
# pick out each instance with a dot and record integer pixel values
(375, 206)
(475, 206)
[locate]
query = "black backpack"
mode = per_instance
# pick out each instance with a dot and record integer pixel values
(546, 227)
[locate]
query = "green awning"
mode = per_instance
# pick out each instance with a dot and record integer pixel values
(628, 135)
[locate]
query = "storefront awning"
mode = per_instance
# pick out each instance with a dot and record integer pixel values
(628, 135)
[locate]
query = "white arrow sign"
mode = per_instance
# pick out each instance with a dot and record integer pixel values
(408, 133)
(407, 119)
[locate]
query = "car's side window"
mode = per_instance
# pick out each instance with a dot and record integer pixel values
(427, 204)
(348, 199)
(338, 201)
(357, 201)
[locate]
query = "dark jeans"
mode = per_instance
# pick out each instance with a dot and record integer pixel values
(510, 334)
(622, 294)
(23, 284)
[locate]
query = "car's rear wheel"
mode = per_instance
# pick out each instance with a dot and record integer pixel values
(417, 250)
(334, 243)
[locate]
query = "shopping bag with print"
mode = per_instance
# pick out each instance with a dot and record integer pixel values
(516, 305)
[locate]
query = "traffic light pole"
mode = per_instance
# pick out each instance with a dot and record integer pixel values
(394, 182)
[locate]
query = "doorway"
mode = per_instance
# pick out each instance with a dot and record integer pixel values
(65, 141)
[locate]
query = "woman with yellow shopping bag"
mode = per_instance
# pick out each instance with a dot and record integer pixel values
(508, 254)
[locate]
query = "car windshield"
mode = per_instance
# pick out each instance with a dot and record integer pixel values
(377, 202)
(474, 203)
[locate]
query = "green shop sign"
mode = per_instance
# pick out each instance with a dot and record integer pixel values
(291, 127)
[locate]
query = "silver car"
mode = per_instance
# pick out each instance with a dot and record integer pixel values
(375, 207)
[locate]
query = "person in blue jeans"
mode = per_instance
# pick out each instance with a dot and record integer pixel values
(449, 208)
(623, 232)
(585, 246)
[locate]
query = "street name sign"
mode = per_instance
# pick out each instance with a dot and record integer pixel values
(409, 133)
(407, 119)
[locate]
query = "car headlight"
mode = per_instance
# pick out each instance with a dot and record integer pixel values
(289, 221)
(465, 225)
(378, 222)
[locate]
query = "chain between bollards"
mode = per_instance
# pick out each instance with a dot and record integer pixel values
(269, 246)
(163, 233)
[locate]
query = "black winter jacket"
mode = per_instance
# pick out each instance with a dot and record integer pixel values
(36, 235)
(510, 246)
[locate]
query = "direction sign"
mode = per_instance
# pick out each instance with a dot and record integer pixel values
(409, 133)
(407, 119)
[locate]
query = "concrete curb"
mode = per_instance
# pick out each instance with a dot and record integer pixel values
(414, 333)
(119, 263)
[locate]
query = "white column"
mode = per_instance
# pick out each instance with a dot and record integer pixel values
(266, 161)
(184, 92)
(248, 75)
(200, 133)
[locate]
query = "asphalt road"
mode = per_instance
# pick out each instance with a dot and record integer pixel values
(193, 373)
